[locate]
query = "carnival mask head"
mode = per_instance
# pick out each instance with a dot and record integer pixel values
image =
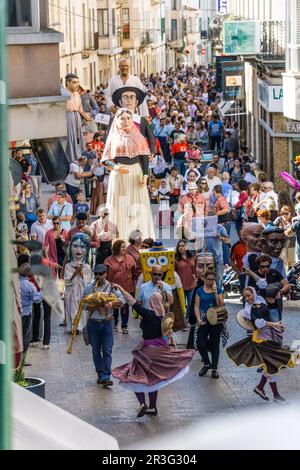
(158, 256)
(80, 247)
(273, 240)
(251, 235)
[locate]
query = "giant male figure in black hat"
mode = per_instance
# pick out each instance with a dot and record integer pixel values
(131, 98)
(124, 78)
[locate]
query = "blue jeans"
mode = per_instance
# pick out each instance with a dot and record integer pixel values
(124, 316)
(72, 191)
(274, 314)
(101, 337)
(180, 165)
(188, 299)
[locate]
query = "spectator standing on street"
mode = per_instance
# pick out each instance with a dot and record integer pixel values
(62, 209)
(121, 270)
(76, 174)
(215, 132)
(41, 226)
(29, 295)
(58, 187)
(54, 242)
(28, 205)
(185, 268)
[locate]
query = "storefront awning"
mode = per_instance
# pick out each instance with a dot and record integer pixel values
(37, 424)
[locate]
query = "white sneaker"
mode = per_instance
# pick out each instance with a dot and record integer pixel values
(46, 346)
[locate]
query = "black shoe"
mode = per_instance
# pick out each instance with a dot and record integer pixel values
(204, 370)
(100, 381)
(215, 374)
(27, 364)
(63, 324)
(151, 411)
(261, 393)
(107, 383)
(141, 411)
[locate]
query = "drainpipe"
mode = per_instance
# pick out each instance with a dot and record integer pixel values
(5, 285)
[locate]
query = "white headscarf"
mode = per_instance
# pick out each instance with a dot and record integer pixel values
(165, 190)
(258, 299)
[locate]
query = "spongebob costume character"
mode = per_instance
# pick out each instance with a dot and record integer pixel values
(160, 256)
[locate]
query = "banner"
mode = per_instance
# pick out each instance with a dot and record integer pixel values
(102, 119)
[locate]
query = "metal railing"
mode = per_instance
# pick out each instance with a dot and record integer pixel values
(273, 41)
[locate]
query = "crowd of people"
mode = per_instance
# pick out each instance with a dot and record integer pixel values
(165, 151)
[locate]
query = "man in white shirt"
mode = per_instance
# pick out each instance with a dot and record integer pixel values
(76, 174)
(269, 197)
(41, 226)
(212, 178)
(248, 175)
(125, 79)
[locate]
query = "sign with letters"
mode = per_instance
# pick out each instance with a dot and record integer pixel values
(233, 82)
(270, 97)
(102, 119)
(292, 127)
(222, 7)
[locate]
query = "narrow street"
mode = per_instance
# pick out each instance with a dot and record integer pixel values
(71, 384)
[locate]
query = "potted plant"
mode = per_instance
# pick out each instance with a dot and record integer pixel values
(33, 384)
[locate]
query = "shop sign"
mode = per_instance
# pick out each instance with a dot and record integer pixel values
(270, 97)
(222, 7)
(233, 81)
(242, 37)
(219, 70)
(292, 127)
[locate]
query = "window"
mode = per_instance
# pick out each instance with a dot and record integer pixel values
(174, 5)
(126, 24)
(173, 30)
(23, 15)
(113, 12)
(74, 27)
(103, 22)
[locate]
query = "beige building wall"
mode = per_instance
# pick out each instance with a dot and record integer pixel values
(77, 20)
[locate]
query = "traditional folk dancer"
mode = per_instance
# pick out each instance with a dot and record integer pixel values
(264, 349)
(127, 154)
(154, 363)
(77, 275)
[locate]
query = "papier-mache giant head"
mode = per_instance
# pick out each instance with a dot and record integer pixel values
(158, 256)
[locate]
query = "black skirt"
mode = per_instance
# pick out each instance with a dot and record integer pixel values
(268, 355)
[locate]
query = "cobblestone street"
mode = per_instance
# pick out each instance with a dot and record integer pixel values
(71, 384)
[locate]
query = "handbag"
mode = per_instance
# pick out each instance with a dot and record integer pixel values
(85, 335)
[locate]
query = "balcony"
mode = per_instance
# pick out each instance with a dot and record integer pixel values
(273, 41)
(146, 39)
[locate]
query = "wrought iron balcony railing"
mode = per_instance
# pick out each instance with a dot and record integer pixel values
(273, 41)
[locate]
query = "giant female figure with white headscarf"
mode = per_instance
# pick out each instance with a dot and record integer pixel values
(126, 153)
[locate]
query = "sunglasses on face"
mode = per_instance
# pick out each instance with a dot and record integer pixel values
(100, 274)
(56, 223)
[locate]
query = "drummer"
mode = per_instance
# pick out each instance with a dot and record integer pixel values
(208, 336)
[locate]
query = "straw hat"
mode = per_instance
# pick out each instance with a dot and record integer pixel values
(167, 324)
(243, 321)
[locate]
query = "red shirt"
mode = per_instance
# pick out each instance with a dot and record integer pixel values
(198, 201)
(221, 204)
(121, 272)
(185, 268)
